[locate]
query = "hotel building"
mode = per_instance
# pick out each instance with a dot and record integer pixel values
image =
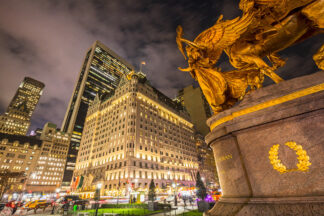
(100, 74)
(16, 119)
(133, 136)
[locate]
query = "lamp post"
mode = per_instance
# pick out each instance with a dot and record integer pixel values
(135, 195)
(174, 185)
(98, 197)
(57, 190)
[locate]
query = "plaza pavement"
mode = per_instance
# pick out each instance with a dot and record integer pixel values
(176, 210)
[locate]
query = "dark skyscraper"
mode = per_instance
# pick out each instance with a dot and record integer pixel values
(195, 103)
(100, 74)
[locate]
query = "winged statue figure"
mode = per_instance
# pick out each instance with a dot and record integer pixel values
(265, 28)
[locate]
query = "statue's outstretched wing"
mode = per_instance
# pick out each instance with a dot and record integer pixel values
(223, 34)
(276, 3)
(276, 8)
(179, 42)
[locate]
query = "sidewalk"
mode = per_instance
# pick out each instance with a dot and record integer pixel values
(176, 210)
(40, 212)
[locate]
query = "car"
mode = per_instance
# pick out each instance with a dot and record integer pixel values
(2, 205)
(71, 199)
(32, 204)
(37, 204)
(68, 201)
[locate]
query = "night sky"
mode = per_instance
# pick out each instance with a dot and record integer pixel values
(47, 40)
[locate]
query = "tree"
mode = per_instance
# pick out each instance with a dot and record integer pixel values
(5, 176)
(200, 187)
(152, 195)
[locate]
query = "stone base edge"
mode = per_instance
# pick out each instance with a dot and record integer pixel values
(267, 208)
(274, 200)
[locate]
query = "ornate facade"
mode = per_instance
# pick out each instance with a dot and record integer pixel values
(136, 135)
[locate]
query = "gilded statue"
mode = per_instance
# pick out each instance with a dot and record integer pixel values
(265, 28)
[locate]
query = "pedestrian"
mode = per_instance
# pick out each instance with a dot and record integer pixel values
(14, 207)
(190, 200)
(184, 200)
(53, 207)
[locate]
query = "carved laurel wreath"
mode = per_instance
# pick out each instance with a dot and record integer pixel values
(303, 158)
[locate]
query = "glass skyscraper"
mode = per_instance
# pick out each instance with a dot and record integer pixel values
(100, 74)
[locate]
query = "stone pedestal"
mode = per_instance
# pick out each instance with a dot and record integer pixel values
(243, 136)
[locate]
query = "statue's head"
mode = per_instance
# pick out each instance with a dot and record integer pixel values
(194, 52)
(191, 46)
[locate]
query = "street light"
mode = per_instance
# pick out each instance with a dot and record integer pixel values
(174, 193)
(57, 190)
(133, 197)
(174, 185)
(98, 197)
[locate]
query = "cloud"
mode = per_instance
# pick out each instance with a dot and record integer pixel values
(47, 40)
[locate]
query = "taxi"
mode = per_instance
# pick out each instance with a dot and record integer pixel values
(37, 204)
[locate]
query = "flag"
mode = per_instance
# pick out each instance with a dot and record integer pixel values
(76, 182)
(143, 63)
(73, 182)
(80, 182)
